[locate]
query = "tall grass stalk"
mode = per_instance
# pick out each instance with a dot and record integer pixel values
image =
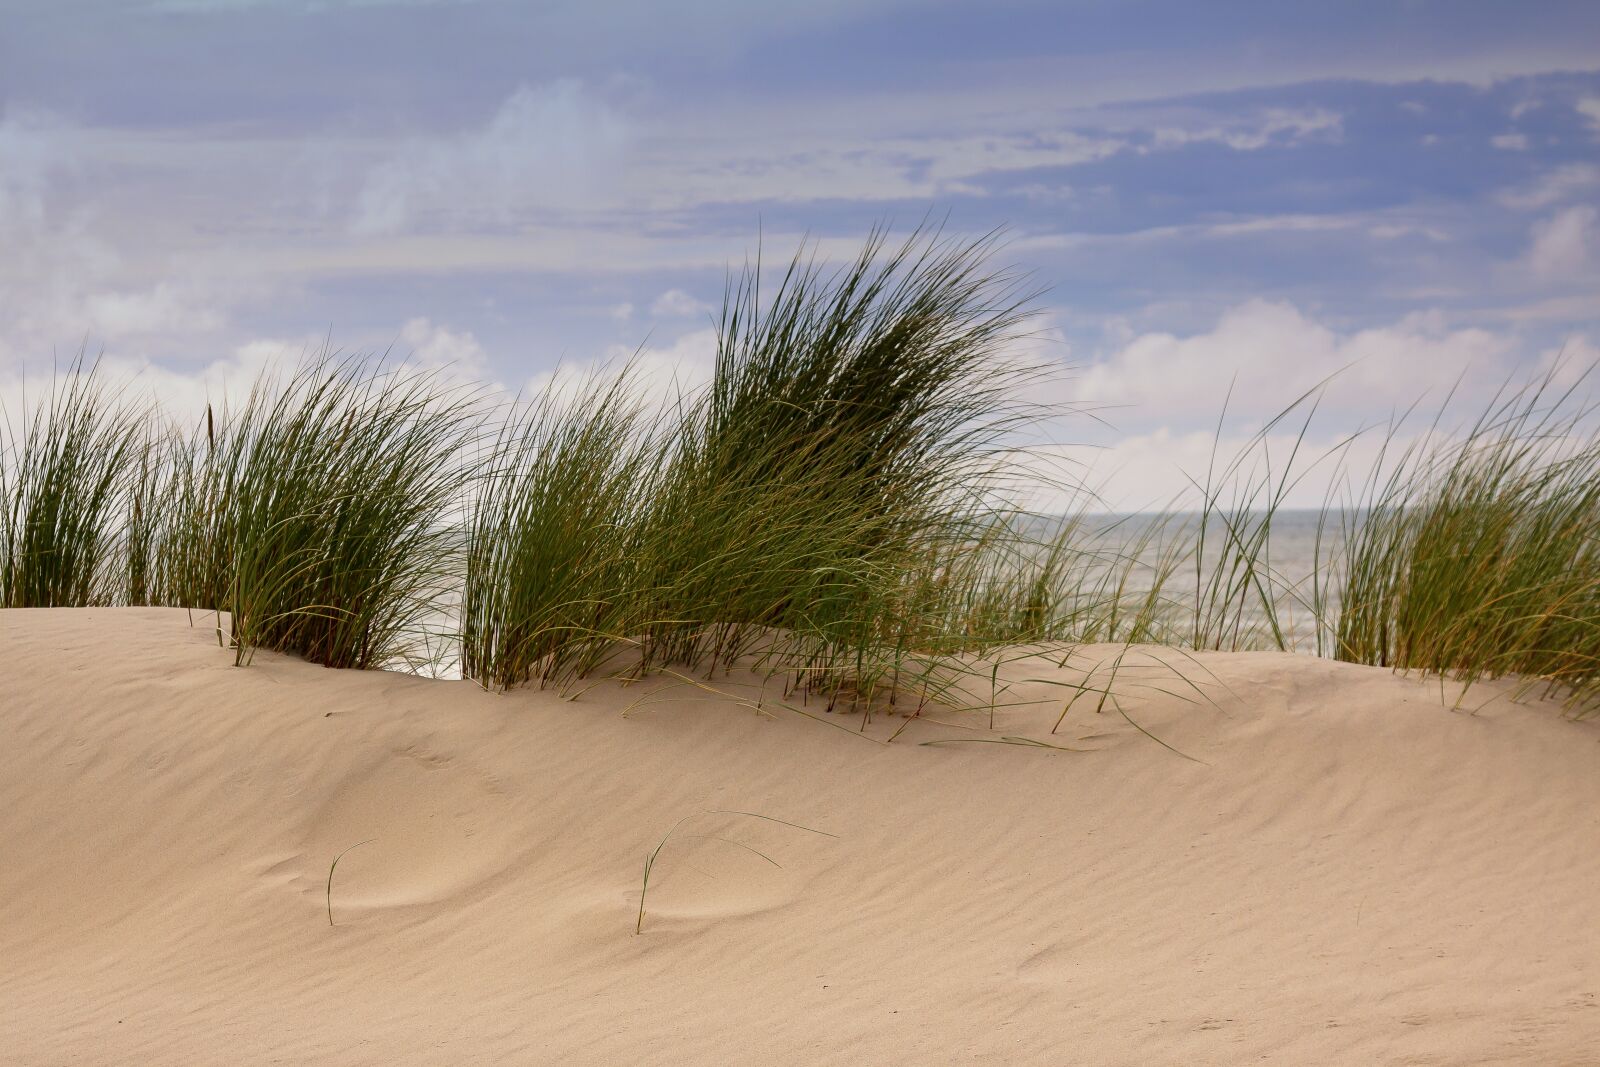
(1239, 596)
(655, 853)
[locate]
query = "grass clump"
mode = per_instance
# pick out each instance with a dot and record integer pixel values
(849, 441)
(66, 469)
(548, 563)
(318, 515)
(1478, 555)
(1073, 578)
(851, 433)
(834, 506)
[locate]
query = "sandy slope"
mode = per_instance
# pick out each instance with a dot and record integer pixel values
(1355, 875)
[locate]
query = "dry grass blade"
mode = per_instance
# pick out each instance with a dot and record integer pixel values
(331, 868)
(650, 860)
(1027, 742)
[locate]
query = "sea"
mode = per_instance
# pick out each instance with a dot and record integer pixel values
(1297, 569)
(1291, 577)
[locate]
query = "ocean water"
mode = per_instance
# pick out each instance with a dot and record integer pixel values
(1298, 568)
(1106, 544)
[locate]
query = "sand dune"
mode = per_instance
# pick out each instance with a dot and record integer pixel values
(1354, 874)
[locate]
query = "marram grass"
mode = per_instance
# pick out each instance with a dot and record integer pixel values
(324, 507)
(1478, 555)
(66, 468)
(834, 507)
(549, 567)
(849, 440)
(319, 516)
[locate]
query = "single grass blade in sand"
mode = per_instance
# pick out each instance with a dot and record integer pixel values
(650, 860)
(334, 865)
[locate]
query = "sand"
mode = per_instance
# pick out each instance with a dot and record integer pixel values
(1356, 873)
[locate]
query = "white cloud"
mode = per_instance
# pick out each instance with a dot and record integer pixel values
(1162, 395)
(1379, 225)
(70, 276)
(1278, 224)
(453, 357)
(1165, 469)
(1575, 358)
(47, 250)
(1510, 142)
(658, 374)
(677, 304)
(551, 147)
(181, 394)
(1267, 353)
(669, 371)
(1589, 108)
(950, 159)
(1271, 126)
(1554, 311)
(183, 391)
(1389, 231)
(1563, 245)
(162, 308)
(1562, 183)
(849, 164)
(1137, 472)
(431, 347)
(35, 148)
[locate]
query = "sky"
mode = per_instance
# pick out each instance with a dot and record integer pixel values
(1223, 203)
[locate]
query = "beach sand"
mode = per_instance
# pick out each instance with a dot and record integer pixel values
(1355, 873)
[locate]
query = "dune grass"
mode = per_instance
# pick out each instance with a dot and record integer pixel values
(321, 516)
(66, 470)
(1078, 578)
(318, 516)
(142, 559)
(333, 495)
(835, 507)
(851, 434)
(1466, 552)
(801, 509)
(550, 537)
(1478, 555)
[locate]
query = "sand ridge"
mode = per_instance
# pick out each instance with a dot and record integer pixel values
(1346, 871)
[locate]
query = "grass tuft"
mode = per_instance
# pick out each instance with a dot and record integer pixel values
(319, 516)
(1477, 555)
(810, 509)
(67, 467)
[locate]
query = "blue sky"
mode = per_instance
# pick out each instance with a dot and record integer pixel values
(1244, 195)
